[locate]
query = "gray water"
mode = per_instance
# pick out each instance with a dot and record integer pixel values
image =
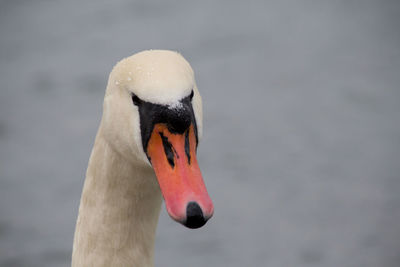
(301, 147)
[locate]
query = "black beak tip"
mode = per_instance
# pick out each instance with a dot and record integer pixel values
(194, 216)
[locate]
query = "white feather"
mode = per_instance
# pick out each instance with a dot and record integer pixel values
(121, 198)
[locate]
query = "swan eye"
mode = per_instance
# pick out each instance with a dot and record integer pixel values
(136, 100)
(191, 95)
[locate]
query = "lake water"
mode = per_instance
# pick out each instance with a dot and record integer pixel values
(301, 147)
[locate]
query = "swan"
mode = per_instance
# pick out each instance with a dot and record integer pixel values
(144, 151)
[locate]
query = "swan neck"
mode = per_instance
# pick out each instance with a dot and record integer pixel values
(118, 213)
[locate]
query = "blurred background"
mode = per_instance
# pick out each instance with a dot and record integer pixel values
(301, 147)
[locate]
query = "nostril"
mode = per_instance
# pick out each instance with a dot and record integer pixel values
(194, 216)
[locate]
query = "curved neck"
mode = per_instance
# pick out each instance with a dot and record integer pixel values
(118, 213)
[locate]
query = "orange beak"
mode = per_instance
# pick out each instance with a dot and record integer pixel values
(173, 157)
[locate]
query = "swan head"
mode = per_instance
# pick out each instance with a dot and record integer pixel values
(152, 115)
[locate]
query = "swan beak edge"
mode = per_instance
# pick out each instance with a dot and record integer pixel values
(173, 157)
